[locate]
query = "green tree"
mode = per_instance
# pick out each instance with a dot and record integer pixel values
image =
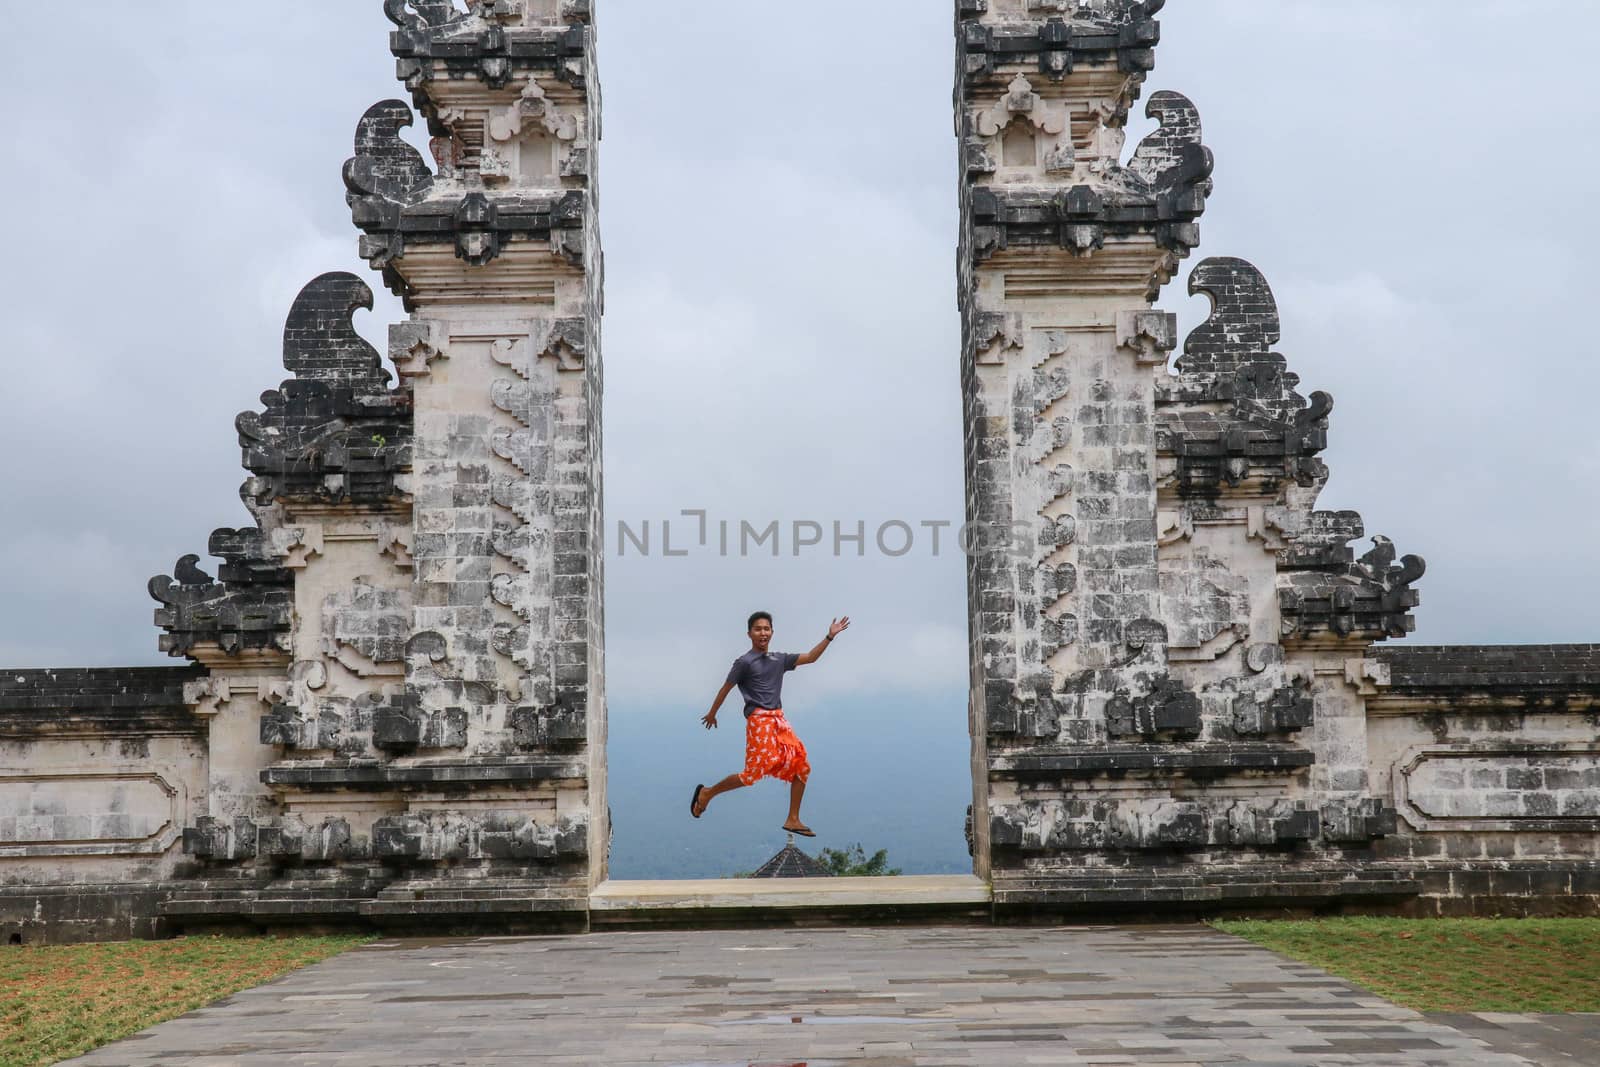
(854, 862)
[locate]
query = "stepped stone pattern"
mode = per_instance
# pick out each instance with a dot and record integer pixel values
(1183, 695)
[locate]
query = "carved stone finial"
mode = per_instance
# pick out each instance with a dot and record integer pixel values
(1380, 566)
(422, 14)
(1111, 12)
(1244, 315)
(384, 163)
(384, 176)
(319, 338)
(188, 572)
(334, 431)
(1366, 599)
(1175, 153)
(247, 608)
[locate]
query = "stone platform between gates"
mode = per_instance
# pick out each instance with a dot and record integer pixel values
(884, 997)
(710, 901)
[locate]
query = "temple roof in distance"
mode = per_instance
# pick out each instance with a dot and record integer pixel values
(790, 862)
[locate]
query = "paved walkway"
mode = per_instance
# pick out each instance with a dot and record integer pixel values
(896, 997)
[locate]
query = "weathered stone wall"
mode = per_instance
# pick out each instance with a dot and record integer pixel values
(1491, 760)
(100, 771)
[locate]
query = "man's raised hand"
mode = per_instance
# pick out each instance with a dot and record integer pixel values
(839, 626)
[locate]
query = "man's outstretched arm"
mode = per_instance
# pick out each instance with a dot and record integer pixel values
(839, 626)
(710, 718)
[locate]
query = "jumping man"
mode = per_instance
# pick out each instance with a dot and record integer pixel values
(771, 748)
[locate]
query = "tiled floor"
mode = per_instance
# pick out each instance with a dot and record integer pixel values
(891, 997)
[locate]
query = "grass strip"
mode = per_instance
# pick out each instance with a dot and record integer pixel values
(1449, 965)
(57, 1002)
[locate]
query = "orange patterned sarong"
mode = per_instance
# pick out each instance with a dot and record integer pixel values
(771, 749)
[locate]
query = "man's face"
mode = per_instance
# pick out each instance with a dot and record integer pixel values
(761, 635)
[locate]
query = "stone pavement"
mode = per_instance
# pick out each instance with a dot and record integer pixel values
(1548, 1040)
(891, 997)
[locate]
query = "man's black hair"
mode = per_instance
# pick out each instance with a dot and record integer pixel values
(757, 617)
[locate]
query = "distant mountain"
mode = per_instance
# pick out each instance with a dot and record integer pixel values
(883, 775)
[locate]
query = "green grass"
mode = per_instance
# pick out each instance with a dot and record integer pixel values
(1451, 965)
(57, 1002)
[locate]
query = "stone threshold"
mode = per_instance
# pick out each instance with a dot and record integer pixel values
(741, 899)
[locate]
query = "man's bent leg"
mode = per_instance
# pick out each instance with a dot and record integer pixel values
(727, 785)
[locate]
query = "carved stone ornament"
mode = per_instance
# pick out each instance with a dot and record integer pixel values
(426, 12)
(335, 432)
(207, 695)
(1021, 104)
(395, 541)
(295, 545)
(1149, 336)
(1099, 11)
(415, 345)
(249, 610)
(386, 173)
(994, 335)
(534, 105)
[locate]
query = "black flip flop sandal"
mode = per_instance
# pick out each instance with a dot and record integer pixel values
(802, 833)
(694, 801)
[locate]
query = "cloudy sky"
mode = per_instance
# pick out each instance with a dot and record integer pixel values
(781, 337)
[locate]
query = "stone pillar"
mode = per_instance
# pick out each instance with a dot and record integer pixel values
(497, 256)
(418, 613)
(1064, 248)
(1133, 698)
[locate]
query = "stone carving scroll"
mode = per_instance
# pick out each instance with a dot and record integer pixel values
(334, 431)
(1174, 156)
(319, 339)
(422, 15)
(385, 173)
(249, 609)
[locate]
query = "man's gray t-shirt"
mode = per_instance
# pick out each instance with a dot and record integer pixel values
(759, 676)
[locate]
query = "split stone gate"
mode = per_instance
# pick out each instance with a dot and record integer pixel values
(394, 707)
